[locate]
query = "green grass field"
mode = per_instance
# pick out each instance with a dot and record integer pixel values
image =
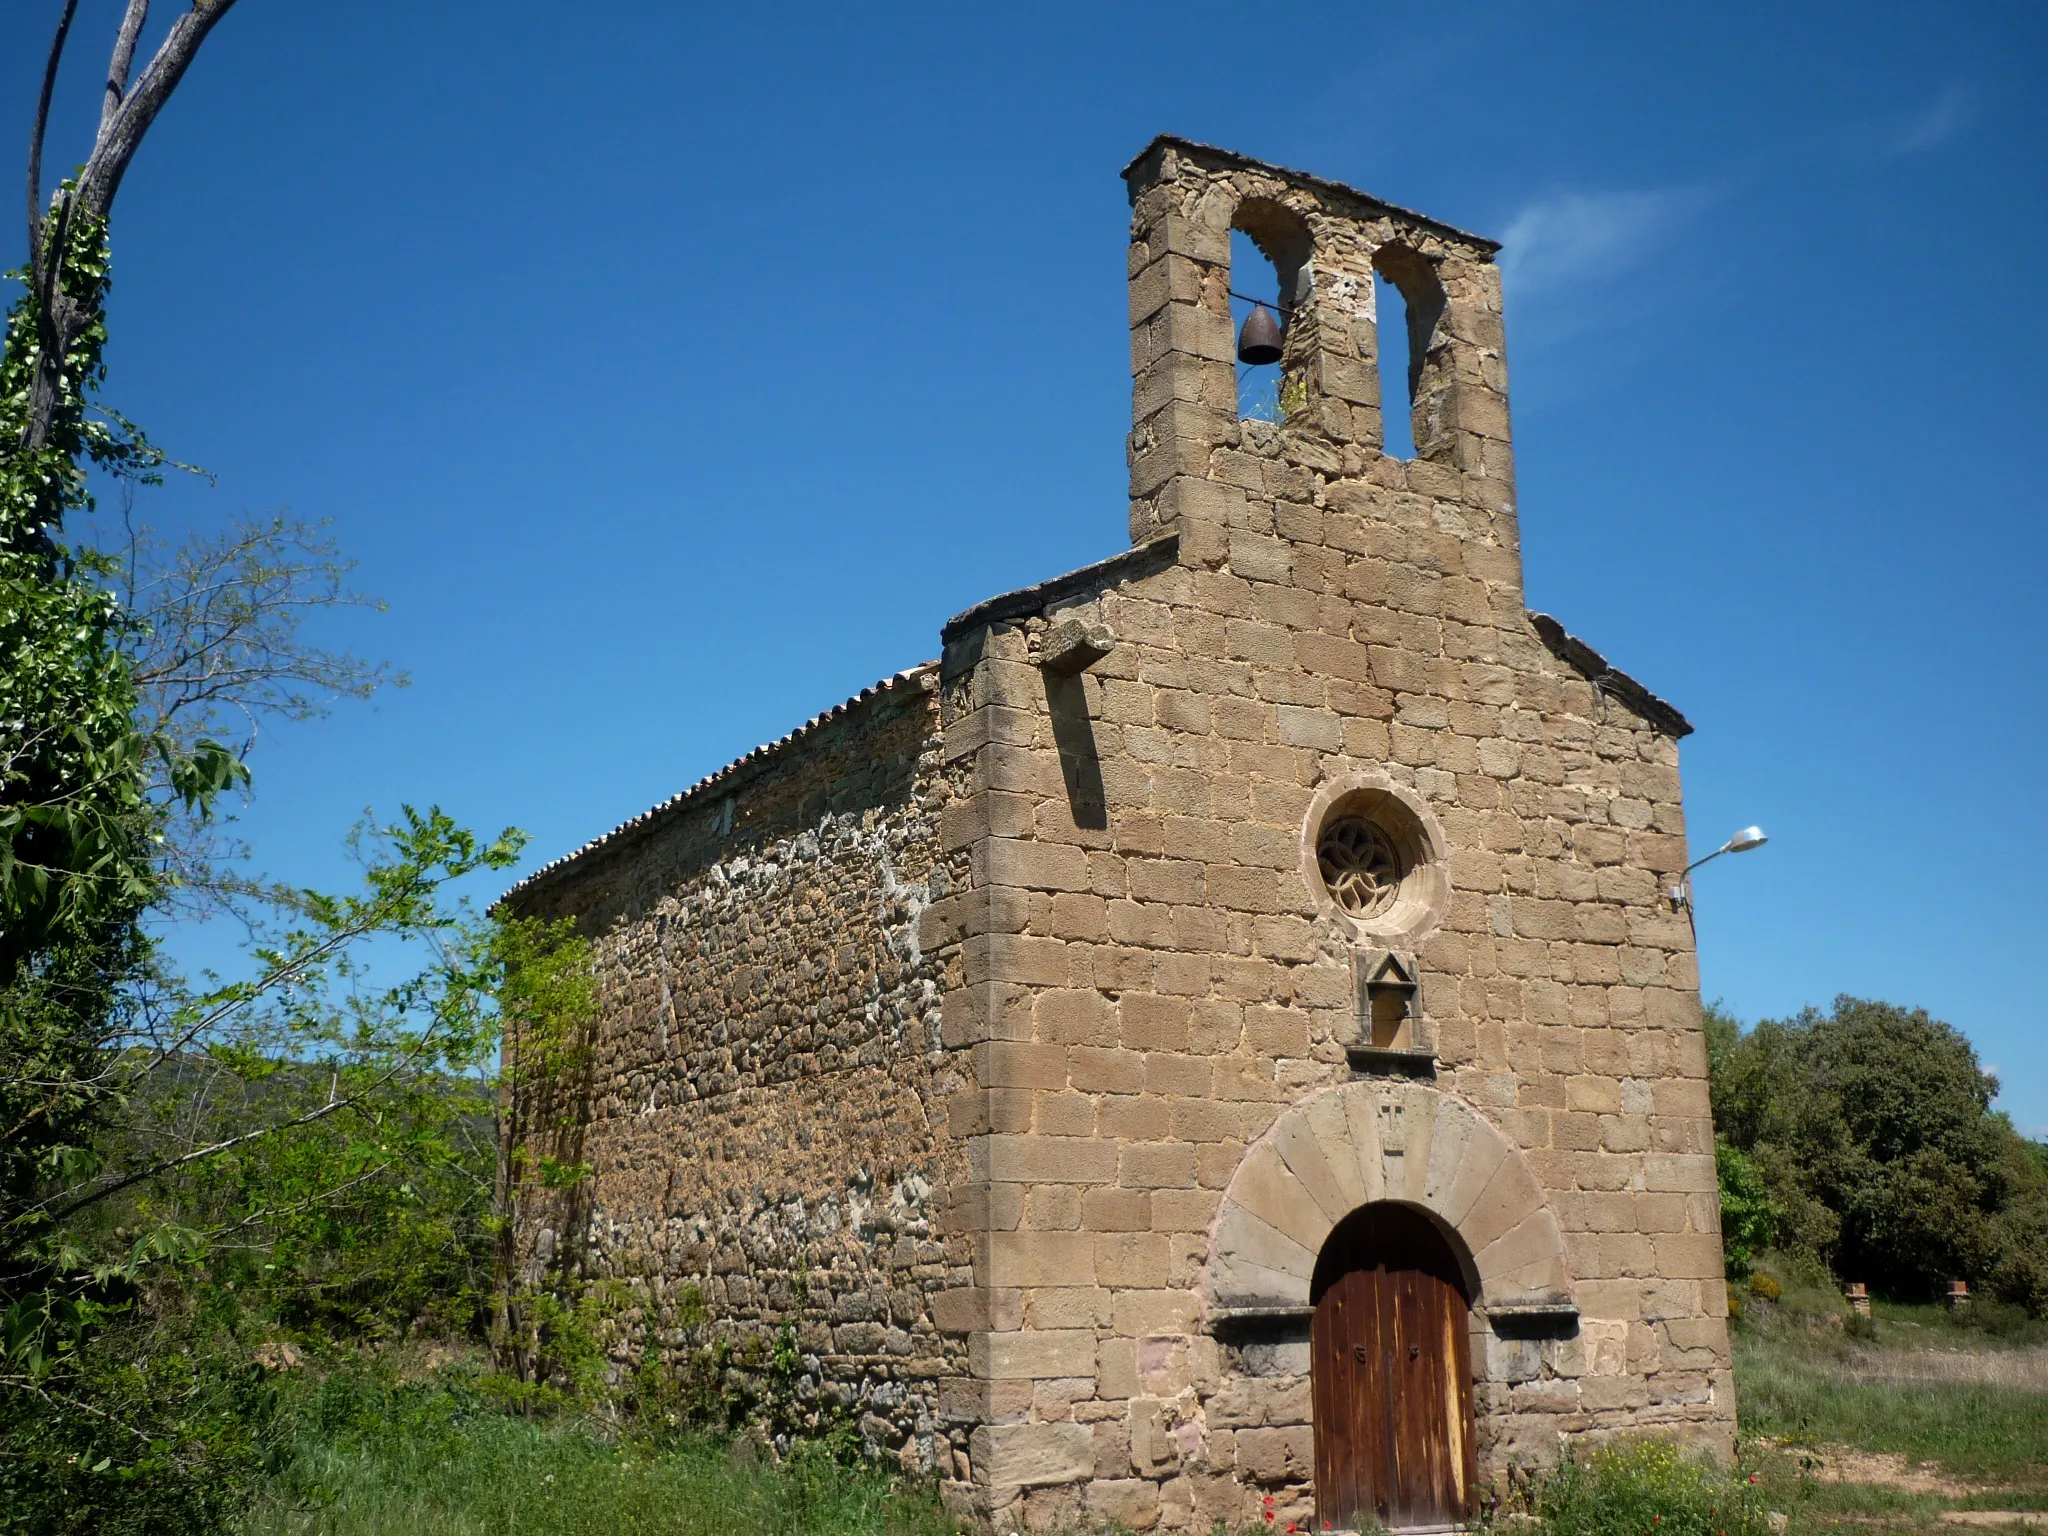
(428, 1462)
(1921, 1424)
(1977, 1430)
(1880, 1434)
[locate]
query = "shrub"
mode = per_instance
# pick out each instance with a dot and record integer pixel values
(1761, 1284)
(1869, 1133)
(1749, 1216)
(370, 1453)
(1648, 1488)
(155, 1430)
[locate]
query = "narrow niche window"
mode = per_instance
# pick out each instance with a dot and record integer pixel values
(1408, 301)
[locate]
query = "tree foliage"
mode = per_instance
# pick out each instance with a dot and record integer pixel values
(1750, 1217)
(84, 786)
(1872, 1133)
(180, 1167)
(307, 1154)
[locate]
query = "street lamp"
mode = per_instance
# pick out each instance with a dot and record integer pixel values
(1741, 842)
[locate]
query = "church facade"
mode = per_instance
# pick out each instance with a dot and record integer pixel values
(1218, 1034)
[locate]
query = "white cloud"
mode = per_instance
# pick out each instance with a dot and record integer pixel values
(1576, 238)
(1944, 118)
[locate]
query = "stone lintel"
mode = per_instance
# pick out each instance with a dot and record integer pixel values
(1247, 1320)
(1391, 1061)
(1533, 1319)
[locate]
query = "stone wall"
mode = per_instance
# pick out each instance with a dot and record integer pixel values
(765, 1112)
(1152, 976)
(992, 1045)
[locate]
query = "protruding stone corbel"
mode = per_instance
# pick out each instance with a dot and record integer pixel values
(1072, 646)
(1551, 1318)
(1255, 1321)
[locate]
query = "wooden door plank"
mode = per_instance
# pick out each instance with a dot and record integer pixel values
(1391, 1387)
(1436, 1395)
(1417, 1501)
(1327, 1397)
(1457, 1401)
(1359, 1409)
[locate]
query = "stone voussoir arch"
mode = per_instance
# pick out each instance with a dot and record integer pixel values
(1383, 1140)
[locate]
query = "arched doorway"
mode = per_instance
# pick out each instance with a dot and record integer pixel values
(1392, 1373)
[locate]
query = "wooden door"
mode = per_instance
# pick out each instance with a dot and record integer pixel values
(1391, 1364)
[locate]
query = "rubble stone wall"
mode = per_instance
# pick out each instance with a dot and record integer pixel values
(766, 1106)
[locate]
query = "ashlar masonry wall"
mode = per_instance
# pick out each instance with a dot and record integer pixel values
(1161, 1001)
(764, 1115)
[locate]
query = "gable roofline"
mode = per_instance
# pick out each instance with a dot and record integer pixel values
(1199, 150)
(676, 804)
(1138, 560)
(1582, 658)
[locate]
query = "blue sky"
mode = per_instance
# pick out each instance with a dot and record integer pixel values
(674, 372)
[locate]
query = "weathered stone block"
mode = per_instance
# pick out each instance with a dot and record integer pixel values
(1034, 1353)
(1032, 1455)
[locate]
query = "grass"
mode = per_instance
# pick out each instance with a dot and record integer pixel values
(430, 1461)
(1962, 1408)
(1979, 1430)
(1896, 1423)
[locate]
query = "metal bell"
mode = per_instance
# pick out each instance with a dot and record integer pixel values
(1259, 342)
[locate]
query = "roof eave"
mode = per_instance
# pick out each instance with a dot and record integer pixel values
(723, 778)
(1307, 178)
(1609, 679)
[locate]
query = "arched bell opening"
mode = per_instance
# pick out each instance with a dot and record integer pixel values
(1391, 1370)
(1270, 259)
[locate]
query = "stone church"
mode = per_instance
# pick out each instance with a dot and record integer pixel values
(1217, 1040)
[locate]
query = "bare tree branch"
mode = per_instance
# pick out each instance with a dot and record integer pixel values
(120, 138)
(119, 65)
(420, 1050)
(221, 618)
(35, 158)
(220, 650)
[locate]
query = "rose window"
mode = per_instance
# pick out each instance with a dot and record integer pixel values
(1359, 866)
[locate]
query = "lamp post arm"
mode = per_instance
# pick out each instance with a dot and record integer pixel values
(1696, 863)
